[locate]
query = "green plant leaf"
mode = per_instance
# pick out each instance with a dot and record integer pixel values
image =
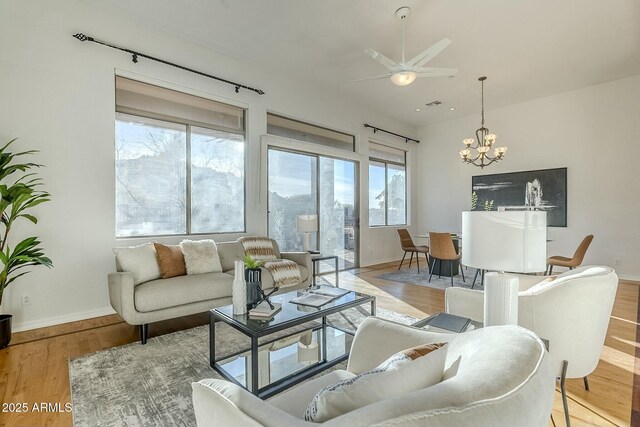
(30, 217)
(16, 198)
(251, 263)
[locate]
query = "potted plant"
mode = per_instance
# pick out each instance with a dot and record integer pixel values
(253, 277)
(19, 196)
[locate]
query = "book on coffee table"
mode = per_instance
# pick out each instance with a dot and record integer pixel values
(312, 299)
(264, 311)
(330, 291)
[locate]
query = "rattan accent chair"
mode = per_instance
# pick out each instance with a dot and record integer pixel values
(571, 263)
(406, 242)
(442, 249)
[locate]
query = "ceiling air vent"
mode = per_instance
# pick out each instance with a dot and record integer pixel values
(433, 103)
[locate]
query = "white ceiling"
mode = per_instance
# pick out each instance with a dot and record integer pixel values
(527, 48)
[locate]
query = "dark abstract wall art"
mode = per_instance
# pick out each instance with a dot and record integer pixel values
(540, 190)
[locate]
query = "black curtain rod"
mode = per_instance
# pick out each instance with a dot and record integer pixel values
(406, 138)
(135, 55)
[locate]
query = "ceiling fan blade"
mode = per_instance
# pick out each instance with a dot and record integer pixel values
(382, 59)
(429, 54)
(436, 72)
(386, 76)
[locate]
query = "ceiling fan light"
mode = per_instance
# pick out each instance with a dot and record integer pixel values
(403, 78)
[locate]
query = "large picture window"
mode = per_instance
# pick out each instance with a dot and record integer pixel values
(176, 176)
(387, 186)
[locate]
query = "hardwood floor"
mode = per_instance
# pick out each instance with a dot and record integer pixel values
(34, 368)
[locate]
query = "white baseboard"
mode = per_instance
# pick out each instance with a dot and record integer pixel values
(57, 320)
(629, 277)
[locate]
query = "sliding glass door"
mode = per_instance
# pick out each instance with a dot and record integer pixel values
(313, 185)
(338, 210)
(293, 191)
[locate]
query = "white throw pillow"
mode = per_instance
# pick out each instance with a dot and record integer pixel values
(402, 373)
(140, 261)
(201, 256)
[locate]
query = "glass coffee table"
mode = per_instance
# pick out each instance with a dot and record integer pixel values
(274, 364)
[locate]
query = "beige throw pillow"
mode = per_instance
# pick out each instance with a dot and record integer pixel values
(170, 260)
(140, 261)
(201, 256)
(406, 371)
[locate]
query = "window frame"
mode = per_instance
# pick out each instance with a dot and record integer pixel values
(386, 190)
(188, 125)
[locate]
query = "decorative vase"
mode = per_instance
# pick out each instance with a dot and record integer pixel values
(239, 290)
(5, 330)
(500, 299)
(253, 277)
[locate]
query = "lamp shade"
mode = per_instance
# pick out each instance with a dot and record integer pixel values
(514, 241)
(307, 223)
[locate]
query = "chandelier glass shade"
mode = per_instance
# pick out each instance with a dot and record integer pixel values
(478, 151)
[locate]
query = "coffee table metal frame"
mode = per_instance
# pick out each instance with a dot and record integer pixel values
(315, 267)
(254, 335)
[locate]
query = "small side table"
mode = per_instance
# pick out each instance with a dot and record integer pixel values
(314, 266)
(424, 323)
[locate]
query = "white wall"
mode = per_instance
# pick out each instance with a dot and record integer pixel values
(592, 131)
(58, 97)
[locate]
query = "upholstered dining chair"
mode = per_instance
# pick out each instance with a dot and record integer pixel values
(571, 263)
(442, 249)
(406, 242)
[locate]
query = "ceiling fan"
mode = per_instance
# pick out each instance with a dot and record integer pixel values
(405, 72)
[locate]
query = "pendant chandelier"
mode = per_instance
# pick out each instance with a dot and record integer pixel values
(482, 144)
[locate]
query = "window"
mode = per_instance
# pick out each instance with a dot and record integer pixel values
(179, 163)
(387, 186)
(294, 129)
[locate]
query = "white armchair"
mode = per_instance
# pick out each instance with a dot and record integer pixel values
(571, 312)
(495, 377)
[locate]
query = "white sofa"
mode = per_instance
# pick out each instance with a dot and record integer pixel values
(163, 299)
(498, 377)
(572, 312)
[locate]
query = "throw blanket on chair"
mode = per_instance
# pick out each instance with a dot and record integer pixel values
(285, 272)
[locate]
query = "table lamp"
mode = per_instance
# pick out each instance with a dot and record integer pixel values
(307, 224)
(505, 241)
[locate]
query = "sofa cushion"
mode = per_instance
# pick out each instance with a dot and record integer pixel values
(140, 261)
(170, 260)
(201, 256)
(229, 252)
(406, 371)
(163, 293)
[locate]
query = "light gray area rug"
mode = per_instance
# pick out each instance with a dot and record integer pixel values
(150, 385)
(406, 275)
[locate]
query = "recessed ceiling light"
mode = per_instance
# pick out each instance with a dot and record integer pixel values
(452, 108)
(417, 109)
